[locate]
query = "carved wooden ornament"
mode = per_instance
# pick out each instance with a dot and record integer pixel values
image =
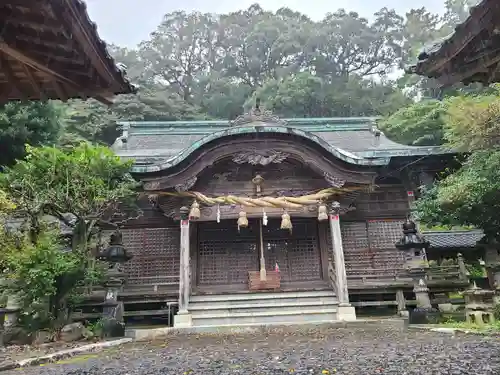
(260, 157)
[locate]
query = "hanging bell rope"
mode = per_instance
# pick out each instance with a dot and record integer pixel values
(272, 202)
(322, 212)
(194, 213)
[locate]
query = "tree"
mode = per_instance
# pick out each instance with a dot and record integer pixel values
(84, 187)
(348, 44)
(307, 95)
(469, 196)
(420, 124)
(33, 123)
(178, 51)
(473, 122)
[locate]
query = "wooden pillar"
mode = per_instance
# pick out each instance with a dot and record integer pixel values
(183, 317)
(346, 311)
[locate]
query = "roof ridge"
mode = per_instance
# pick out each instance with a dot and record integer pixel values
(325, 124)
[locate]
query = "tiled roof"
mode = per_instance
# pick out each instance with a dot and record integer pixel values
(159, 142)
(457, 239)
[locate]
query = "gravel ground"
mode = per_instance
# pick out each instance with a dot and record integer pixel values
(325, 350)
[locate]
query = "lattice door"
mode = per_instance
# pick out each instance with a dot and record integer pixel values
(296, 253)
(224, 255)
(357, 253)
(156, 255)
(383, 236)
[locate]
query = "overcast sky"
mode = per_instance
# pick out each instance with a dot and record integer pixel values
(128, 22)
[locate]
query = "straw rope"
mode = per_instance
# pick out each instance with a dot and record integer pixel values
(275, 202)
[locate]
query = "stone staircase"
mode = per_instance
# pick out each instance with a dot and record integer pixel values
(263, 308)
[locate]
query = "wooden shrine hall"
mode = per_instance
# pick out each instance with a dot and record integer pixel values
(50, 49)
(262, 220)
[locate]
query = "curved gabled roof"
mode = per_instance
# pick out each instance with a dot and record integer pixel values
(157, 146)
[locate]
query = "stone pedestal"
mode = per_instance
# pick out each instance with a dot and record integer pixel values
(401, 301)
(183, 320)
(423, 313)
(113, 324)
(422, 295)
(346, 313)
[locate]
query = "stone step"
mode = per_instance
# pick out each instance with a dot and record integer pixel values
(281, 302)
(256, 310)
(260, 296)
(285, 317)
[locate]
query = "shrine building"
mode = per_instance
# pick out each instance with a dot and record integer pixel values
(266, 220)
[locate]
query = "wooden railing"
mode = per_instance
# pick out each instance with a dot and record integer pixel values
(374, 275)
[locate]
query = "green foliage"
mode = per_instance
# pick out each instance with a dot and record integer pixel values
(476, 270)
(34, 123)
(469, 196)
(473, 122)
(85, 180)
(420, 124)
(34, 271)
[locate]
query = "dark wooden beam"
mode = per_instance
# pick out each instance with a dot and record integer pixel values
(60, 90)
(32, 80)
(11, 34)
(463, 35)
(31, 20)
(72, 18)
(49, 52)
(462, 72)
(12, 80)
(25, 59)
(29, 4)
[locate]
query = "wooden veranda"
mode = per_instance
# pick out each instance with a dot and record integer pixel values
(50, 49)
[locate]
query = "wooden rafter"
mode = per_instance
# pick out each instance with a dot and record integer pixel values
(464, 34)
(9, 73)
(17, 55)
(82, 36)
(33, 82)
(52, 51)
(481, 65)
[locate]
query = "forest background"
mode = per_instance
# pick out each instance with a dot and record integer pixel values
(200, 66)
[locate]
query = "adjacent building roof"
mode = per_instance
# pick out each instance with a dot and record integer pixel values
(470, 54)
(50, 49)
(160, 145)
(453, 238)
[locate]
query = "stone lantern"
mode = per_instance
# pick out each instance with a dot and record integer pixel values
(478, 305)
(414, 247)
(116, 255)
(8, 319)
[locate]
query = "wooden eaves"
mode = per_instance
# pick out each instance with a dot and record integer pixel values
(50, 49)
(470, 54)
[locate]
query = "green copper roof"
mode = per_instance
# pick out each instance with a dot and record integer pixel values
(157, 146)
